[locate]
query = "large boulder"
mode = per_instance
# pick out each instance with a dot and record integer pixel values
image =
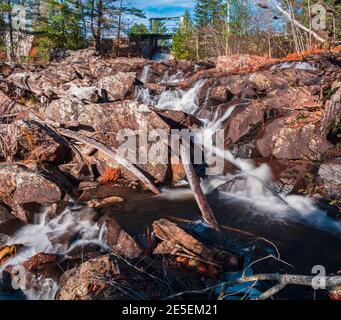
(89, 280)
(118, 86)
(241, 63)
(34, 144)
(246, 118)
(8, 222)
(293, 176)
(290, 138)
(122, 64)
(20, 185)
(109, 120)
(119, 240)
(330, 174)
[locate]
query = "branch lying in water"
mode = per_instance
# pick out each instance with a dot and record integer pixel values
(329, 282)
(206, 211)
(110, 152)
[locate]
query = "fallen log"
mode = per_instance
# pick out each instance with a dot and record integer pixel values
(178, 242)
(206, 211)
(110, 152)
(98, 146)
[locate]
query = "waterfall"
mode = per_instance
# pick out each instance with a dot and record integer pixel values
(258, 180)
(69, 230)
(145, 73)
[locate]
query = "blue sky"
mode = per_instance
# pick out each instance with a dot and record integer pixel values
(164, 8)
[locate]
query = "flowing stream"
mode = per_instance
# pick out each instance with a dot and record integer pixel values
(303, 234)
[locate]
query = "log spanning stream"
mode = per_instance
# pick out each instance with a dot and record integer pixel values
(303, 234)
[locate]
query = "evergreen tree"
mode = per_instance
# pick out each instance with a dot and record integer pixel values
(106, 16)
(138, 28)
(58, 25)
(210, 21)
(158, 27)
(184, 38)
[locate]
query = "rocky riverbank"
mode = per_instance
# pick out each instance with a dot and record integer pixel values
(59, 129)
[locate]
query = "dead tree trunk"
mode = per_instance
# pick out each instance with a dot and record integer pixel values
(206, 211)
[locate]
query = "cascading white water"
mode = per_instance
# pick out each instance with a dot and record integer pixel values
(180, 100)
(72, 228)
(257, 179)
(172, 79)
(145, 73)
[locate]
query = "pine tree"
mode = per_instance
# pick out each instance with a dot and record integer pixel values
(107, 16)
(158, 27)
(58, 25)
(210, 21)
(184, 38)
(138, 28)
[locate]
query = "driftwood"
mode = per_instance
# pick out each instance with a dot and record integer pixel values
(179, 242)
(110, 152)
(330, 283)
(206, 211)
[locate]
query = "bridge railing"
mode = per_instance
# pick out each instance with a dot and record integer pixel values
(169, 26)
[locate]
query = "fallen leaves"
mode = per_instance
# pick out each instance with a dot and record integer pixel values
(110, 175)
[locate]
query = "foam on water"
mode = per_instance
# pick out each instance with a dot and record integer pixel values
(72, 228)
(257, 179)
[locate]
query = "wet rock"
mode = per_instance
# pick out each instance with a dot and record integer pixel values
(290, 138)
(243, 120)
(260, 81)
(119, 240)
(293, 176)
(155, 88)
(122, 64)
(179, 119)
(8, 222)
(116, 87)
(20, 185)
(246, 147)
(40, 261)
(27, 212)
(56, 209)
(89, 280)
(330, 174)
(220, 95)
